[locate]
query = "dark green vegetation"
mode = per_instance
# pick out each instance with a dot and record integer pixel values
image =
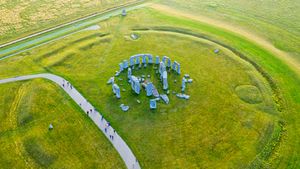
(27, 109)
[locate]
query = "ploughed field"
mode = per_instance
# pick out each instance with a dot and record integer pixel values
(229, 121)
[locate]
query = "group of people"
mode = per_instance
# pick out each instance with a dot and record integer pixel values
(107, 126)
(68, 85)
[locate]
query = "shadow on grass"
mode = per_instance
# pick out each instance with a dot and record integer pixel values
(37, 153)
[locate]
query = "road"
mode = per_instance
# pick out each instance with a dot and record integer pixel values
(14, 47)
(118, 143)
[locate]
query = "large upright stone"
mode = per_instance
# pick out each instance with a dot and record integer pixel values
(125, 64)
(150, 59)
(117, 91)
(165, 80)
(164, 59)
(144, 60)
(131, 61)
(157, 60)
(178, 68)
(129, 73)
(162, 67)
(168, 62)
(121, 67)
(137, 59)
(135, 84)
(174, 65)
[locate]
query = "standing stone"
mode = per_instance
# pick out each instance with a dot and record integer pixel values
(135, 84)
(125, 64)
(121, 67)
(162, 67)
(137, 59)
(165, 80)
(183, 85)
(129, 73)
(144, 60)
(157, 60)
(168, 62)
(124, 12)
(164, 59)
(174, 65)
(178, 68)
(150, 59)
(153, 104)
(131, 61)
(149, 89)
(116, 90)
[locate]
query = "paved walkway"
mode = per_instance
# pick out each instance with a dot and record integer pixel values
(119, 144)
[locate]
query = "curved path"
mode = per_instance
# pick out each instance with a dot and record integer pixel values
(119, 144)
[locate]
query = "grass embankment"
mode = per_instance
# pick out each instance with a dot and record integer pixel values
(278, 23)
(27, 109)
(214, 129)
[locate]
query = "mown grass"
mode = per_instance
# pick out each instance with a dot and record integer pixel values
(215, 129)
(27, 109)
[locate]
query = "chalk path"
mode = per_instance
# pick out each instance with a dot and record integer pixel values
(119, 144)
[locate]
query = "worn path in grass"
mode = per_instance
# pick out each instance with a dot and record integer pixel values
(293, 63)
(119, 144)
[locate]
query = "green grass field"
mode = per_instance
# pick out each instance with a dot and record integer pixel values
(243, 110)
(27, 109)
(276, 21)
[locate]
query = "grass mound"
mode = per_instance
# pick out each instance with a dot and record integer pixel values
(249, 94)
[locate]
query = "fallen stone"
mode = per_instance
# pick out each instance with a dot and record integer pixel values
(183, 96)
(124, 108)
(134, 36)
(153, 104)
(110, 81)
(165, 98)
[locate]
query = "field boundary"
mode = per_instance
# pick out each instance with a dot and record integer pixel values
(43, 31)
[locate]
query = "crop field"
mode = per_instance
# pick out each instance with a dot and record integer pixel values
(21, 18)
(245, 99)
